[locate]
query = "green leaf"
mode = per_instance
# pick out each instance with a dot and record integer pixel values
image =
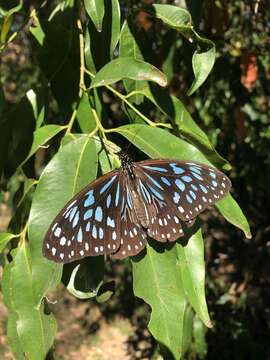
(158, 143)
(42, 136)
(204, 57)
(202, 64)
(95, 10)
(231, 211)
(176, 111)
(31, 322)
(173, 16)
(129, 48)
(199, 332)
(83, 281)
(72, 168)
(115, 18)
(187, 328)
(156, 280)
(72, 289)
(37, 31)
(130, 68)
(191, 262)
(105, 292)
(85, 116)
(13, 337)
(6, 24)
(5, 239)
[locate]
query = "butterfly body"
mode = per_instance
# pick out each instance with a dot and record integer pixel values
(115, 213)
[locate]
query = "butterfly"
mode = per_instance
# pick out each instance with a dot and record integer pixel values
(115, 213)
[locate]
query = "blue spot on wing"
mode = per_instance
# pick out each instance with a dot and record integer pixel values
(180, 184)
(76, 219)
(98, 214)
(203, 188)
(154, 182)
(197, 176)
(88, 214)
(155, 168)
(176, 169)
(90, 199)
(80, 235)
(165, 180)
(144, 192)
(117, 195)
(107, 185)
(155, 192)
(187, 178)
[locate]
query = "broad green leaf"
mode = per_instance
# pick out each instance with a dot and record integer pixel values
(126, 67)
(233, 213)
(85, 116)
(31, 323)
(202, 64)
(13, 337)
(12, 333)
(177, 113)
(158, 143)
(191, 262)
(95, 10)
(187, 328)
(157, 280)
(116, 15)
(129, 48)
(173, 16)
(204, 57)
(72, 168)
(5, 239)
(199, 332)
(41, 137)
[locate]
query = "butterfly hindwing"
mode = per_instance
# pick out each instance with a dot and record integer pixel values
(89, 223)
(163, 225)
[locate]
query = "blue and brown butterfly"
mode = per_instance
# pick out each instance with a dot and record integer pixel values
(115, 213)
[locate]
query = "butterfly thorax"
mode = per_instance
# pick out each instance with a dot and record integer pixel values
(127, 165)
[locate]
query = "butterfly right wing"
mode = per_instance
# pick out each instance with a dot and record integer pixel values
(89, 223)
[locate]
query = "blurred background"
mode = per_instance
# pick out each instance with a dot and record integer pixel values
(232, 107)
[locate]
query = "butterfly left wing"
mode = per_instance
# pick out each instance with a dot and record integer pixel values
(88, 224)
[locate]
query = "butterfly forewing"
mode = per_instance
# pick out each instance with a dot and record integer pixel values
(88, 225)
(186, 187)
